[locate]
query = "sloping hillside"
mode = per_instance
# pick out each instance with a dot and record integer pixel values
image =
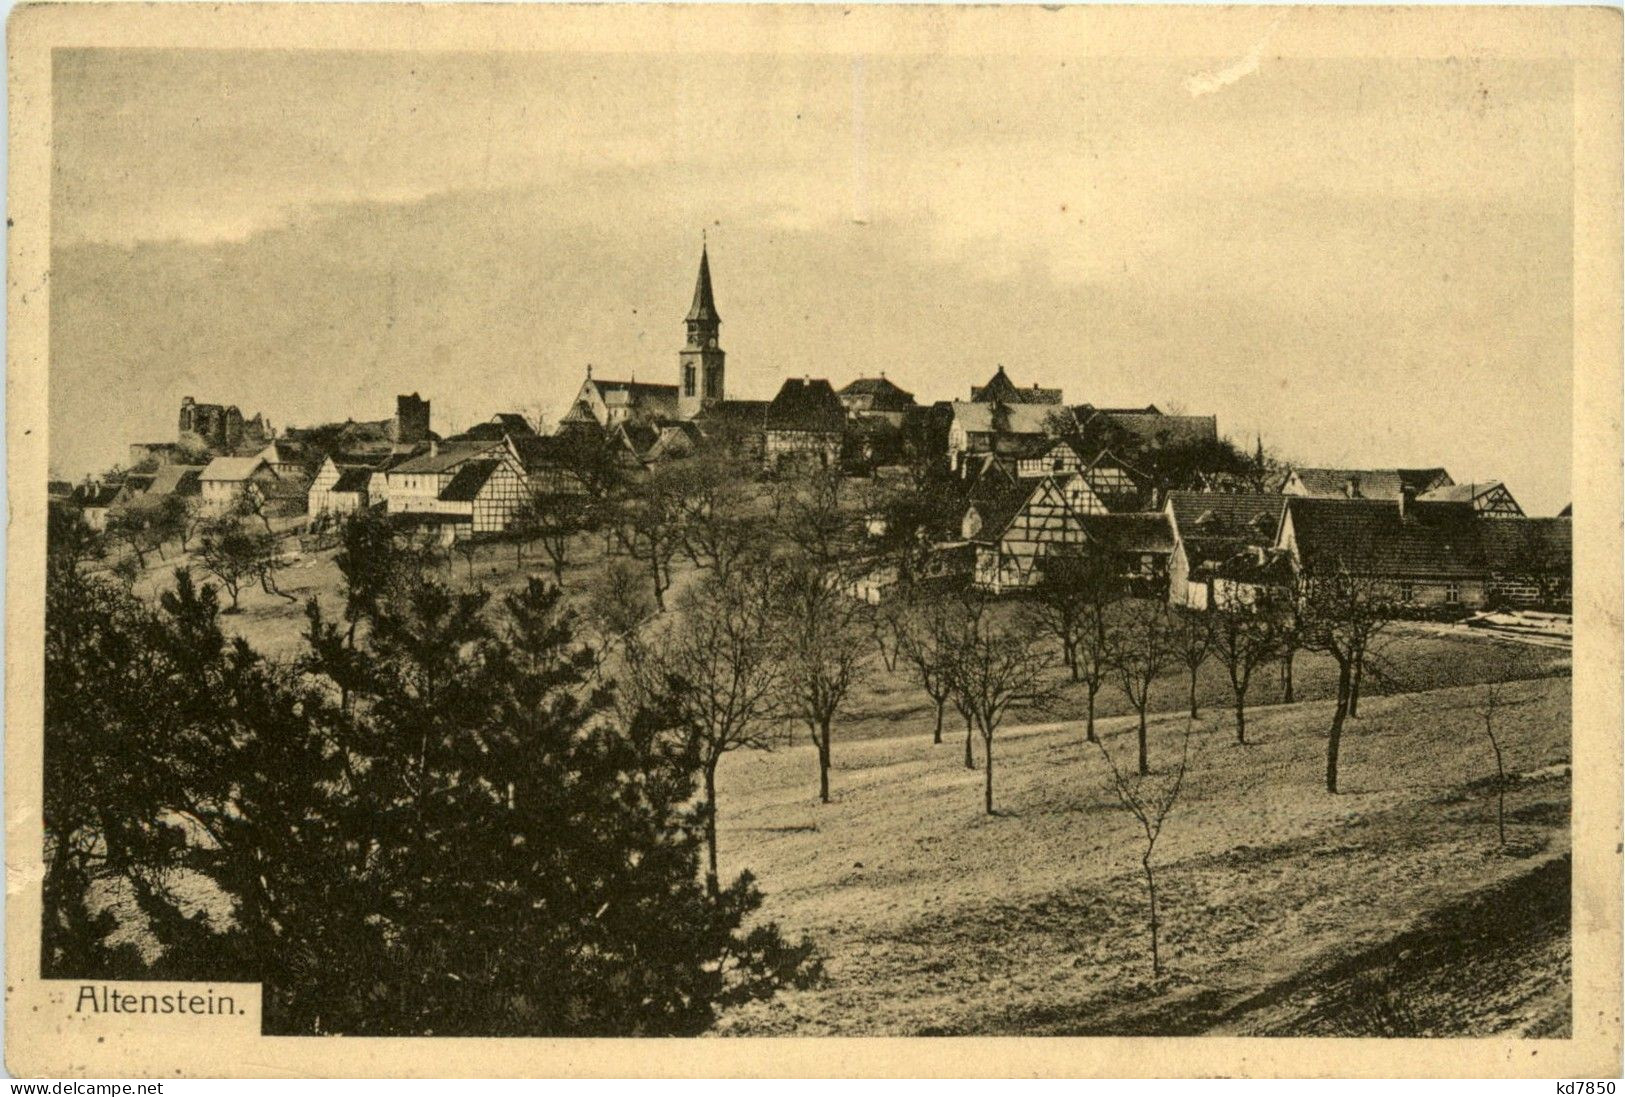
(1286, 909)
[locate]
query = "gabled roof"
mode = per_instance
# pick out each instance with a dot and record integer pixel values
(1000, 389)
(352, 480)
(1370, 483)
(1217, 525)
(1144, 532)
(177, 480)
(1034, 419)
(445, 457)
(704, 308)
(1460, 493)
(658, 401)
(883, 395)
(504, 424)
(1149, 426)
(468, 481)
(806, 405)
(544, 450)
(1369, 537)
(233, 469)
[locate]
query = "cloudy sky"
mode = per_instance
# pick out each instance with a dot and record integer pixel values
(1367, 261)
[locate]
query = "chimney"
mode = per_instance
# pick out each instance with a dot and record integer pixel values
(1407, 500)
(1351, 487)
(434, 448)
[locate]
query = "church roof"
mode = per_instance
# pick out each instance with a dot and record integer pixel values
(705, 306)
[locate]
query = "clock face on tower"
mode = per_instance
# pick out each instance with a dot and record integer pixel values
(712, 342)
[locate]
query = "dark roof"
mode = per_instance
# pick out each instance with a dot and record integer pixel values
(1508, 542)
(468, 481)
(705, 305)
(1150, 426)
(883, 394)
(806, 405)
(96, 494)
(1028, 446)
(504, 424)
(1217, 525)
(1371, 483)
(1001, 389)
(1371, 538)
(352, 480)
(1567, 511)
(1129, 532)
(544, 450)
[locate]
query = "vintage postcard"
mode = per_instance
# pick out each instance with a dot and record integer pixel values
(1056, 541)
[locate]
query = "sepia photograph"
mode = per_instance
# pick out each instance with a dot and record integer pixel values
(802, 522)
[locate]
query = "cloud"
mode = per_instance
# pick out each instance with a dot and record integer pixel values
(1206, 83)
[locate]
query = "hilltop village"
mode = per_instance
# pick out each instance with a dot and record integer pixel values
(1011, 475)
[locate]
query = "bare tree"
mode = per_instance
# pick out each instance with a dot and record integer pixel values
(618, 606)
(1245, 636)
(820, 632)
(553, 519)
(1493, 699)
(649, 525)
(1192, 643)
(993, 669)
(1344, 607)
(716, 495)
(926, 645)
(1150, 802)
(1142, 647)
(721, 673)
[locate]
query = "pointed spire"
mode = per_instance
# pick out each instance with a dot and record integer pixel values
(704, 308)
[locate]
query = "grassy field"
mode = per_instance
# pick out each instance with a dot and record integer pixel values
(1278, 896)
(1388, 909)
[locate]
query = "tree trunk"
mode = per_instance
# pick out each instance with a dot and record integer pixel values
(1500, 785)
(1145, 760)
(711, 827)
(1070, 654)
(987, 785)
(1194, 713)
(970, 759)
(936, 735)
(823, 763)
(1286, 678)
(1151, 890)
(1354, 686)
(1336, 736)
(1090, 727)
(1241, 720)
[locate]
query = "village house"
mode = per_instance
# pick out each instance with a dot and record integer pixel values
(1209, 532)
(339, 487)
(1014, 529)
(225, 480)
(1008, 429)
(94, 499)
(504, 424)
(1428, 554)
(414, 485)
(286, 458)
(804, 421)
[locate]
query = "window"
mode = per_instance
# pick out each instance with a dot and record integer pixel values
(1407, 592)
(688, 380)
(1452, 594)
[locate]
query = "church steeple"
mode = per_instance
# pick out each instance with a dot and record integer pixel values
(704, 309)
(699, 364)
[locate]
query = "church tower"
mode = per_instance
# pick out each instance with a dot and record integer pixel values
(699, 369)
